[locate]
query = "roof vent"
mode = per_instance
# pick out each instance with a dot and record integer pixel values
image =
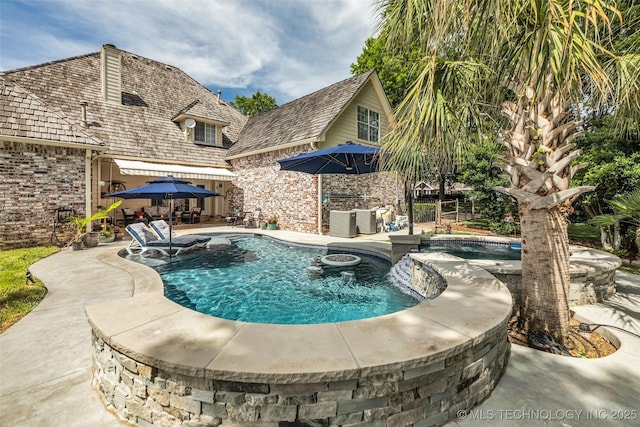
(110, 74)
(83, 113)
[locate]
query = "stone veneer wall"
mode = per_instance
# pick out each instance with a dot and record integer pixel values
(587, 286)
(426, 395)
(429, 391)
(346, 192)
(293, 196)
(34, 180)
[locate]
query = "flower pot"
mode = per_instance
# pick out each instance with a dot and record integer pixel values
(76, 246)
(273, 226)
(107, 238)
(263, 225)
(91, 240)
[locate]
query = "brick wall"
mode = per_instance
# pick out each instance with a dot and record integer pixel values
(34, 180)
(293, 196)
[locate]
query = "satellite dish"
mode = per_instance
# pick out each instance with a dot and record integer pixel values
(190, 123)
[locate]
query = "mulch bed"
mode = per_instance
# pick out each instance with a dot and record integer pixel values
(582, 343)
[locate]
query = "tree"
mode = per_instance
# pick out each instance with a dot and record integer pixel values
(396, 68)
(613, 169)
(536, 63)
(626, 209)
(256, 104)
(478, 171)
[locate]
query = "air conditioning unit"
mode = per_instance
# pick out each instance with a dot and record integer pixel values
(366, 221)
(342, 223)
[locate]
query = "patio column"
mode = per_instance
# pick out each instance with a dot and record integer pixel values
(87, 185)
(319, 204)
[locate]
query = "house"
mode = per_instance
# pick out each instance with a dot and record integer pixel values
(355, 109)
(77, 129)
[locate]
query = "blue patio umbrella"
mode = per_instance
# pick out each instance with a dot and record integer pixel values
(347, 158)
(167, 188)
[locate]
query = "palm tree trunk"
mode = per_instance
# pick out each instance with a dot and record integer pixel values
(409, 198)
(545, 271)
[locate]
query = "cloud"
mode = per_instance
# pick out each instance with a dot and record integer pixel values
(286, 48)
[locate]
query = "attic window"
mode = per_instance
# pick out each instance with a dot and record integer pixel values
(205, 134)
(368, 125)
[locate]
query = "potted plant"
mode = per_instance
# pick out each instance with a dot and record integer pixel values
(107, 232)
(273, 222)
(117, 233)
(263, 225)
(81, 224)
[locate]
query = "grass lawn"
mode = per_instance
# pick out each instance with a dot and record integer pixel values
(17, 298)
(585, 232)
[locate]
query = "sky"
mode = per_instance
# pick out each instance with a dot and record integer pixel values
(285, 48)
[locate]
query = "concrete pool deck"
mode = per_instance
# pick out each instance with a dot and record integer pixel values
(41, 384)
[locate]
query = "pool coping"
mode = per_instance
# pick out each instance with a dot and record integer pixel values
(154, 330)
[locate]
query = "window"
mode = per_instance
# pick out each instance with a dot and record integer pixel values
(205, 134)
(368, 125)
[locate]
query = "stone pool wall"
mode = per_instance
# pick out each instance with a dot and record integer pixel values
(156, 363)
(428, 394)
(592, 272)
(592, 275)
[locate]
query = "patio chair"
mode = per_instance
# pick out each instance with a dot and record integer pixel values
(191, 217)
(129, 216)
(236, 217)
(143, 239)
(162, 229)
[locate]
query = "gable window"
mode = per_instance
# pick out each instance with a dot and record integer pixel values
(368, 125)
(205, 133)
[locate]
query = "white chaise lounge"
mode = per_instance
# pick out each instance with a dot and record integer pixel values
(143, 240)
(161, 228)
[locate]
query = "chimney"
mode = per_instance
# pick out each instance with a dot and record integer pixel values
(83, 110)
(110, 74)
(219, 93)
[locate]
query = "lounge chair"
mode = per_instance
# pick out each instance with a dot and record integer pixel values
(143, 239)
(161, 227)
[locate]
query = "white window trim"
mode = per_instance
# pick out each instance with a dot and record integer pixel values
(218, 137)
(369, 110)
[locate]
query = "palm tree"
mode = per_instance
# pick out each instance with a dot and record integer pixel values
(626, 209)
(538, 63)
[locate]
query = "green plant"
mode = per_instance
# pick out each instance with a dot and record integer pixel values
(81, 223)
(17, 297)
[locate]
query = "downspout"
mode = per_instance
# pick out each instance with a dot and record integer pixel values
(87, 186)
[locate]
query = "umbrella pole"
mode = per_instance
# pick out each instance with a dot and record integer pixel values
(170, 226)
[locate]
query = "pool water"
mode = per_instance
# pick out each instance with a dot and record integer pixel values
(257, 279)
(476, 251)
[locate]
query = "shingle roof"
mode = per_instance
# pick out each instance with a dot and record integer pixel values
(22, 114)
(152, 93)
(304, 118)
(201, 109)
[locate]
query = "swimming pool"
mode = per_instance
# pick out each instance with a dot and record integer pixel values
(475, 250)
(258, 279)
